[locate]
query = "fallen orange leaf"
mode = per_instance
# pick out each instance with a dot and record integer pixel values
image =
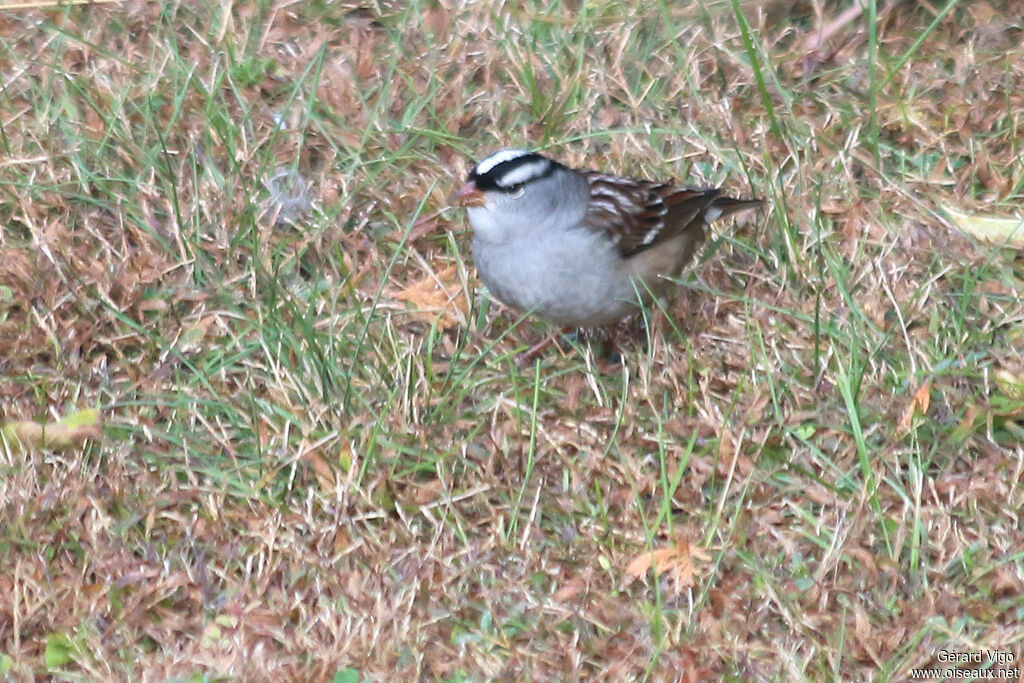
(323, 470)
(569, 590)
(677, 562)
(438, 295)
(919, 402)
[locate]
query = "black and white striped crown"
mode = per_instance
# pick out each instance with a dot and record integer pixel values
(508, 169)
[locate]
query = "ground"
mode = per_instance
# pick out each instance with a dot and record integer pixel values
(260, 420)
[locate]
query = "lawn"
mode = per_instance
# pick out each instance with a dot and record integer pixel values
(261, 421)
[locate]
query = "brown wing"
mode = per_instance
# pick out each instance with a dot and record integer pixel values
(639, 214)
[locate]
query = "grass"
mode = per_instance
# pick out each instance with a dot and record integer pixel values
(318, 458)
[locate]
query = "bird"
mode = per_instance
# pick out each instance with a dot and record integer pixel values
(581, 248)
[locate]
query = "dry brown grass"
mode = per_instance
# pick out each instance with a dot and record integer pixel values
(318, 459)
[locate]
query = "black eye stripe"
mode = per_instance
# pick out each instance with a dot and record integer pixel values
(497, 178)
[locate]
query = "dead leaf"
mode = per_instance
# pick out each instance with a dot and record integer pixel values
(424, 227)
(1005, 583)
(726, 450)
(866, 560)
(70, 431)
(1010, 383)
(437, 296)
(730, 456)
(342, 541)
(918, 403)
(861, 625)
(998, 230)
(677, 562)
(424, 493)
(323, 470)
(570, 590)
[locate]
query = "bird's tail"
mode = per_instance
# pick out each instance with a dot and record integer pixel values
(723, 206)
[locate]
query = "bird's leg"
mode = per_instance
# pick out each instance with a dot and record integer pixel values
(656, 319)
(527, 357)
(617, 338)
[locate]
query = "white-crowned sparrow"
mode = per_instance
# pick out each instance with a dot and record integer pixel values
(581, 248)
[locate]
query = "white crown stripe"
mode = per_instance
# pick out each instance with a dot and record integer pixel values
(523, 173)
(486, 165)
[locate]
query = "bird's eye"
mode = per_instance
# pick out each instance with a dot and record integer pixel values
(516, 190)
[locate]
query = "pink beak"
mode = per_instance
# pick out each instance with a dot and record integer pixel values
(467, 195)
